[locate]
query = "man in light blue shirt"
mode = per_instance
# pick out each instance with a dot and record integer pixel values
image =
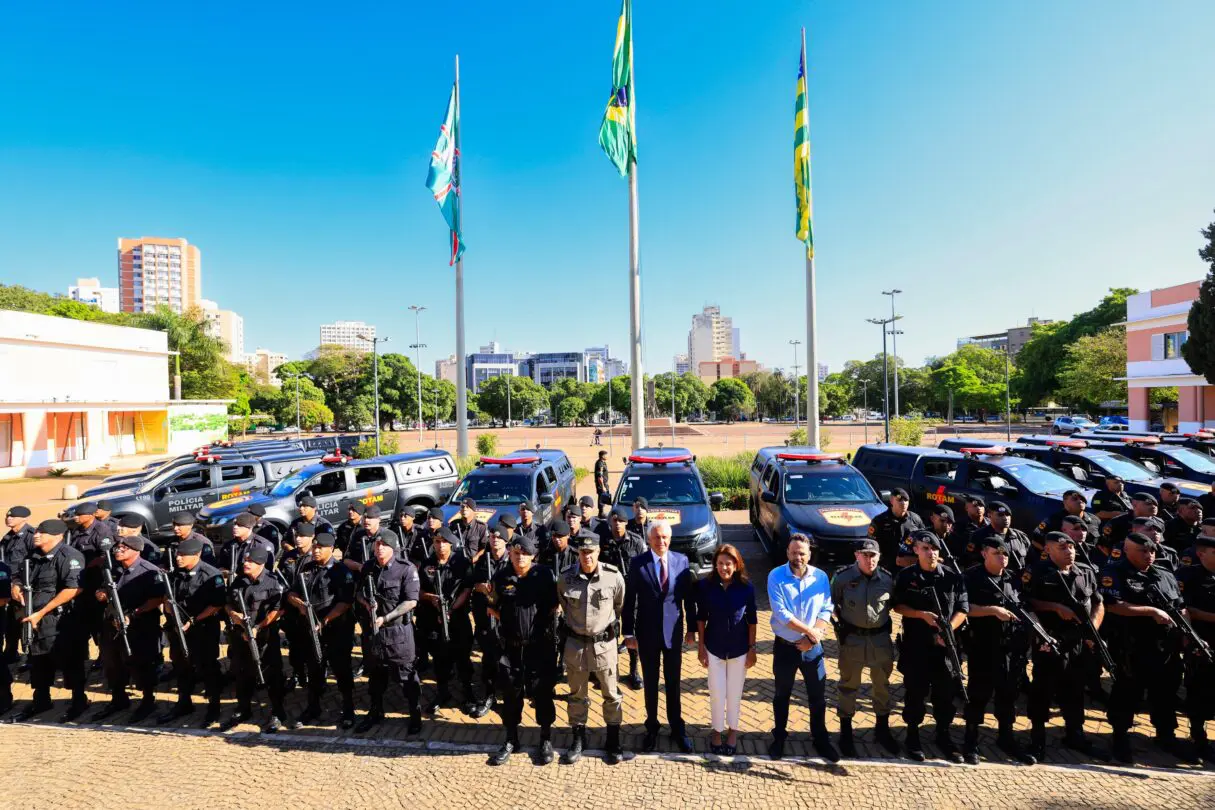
(800, 597)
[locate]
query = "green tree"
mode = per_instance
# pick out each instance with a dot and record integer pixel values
(619, 401)
(570, 410)
(562, 388)
(527, 398)
(691, 394)
(832, 399)
(340, 374)
(205, 374)
(438, 400)
(279, 402)
(731, 398)
(1199, 348)
(1091, 368)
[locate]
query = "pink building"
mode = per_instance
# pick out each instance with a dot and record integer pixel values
(1156, 329)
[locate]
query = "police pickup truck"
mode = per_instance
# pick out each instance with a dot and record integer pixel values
(499, 485)
(1171, 460)
(1090, 466)
(421, 479)
(803, 490)
(207, 479)
(671, 484)
(931, 475)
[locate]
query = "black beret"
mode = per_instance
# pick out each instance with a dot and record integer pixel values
(435, 514)
(469, 502)
(585, 539)
(924, 536)
(527, 505)
(135, 522)
(1169, 486)
(373, 511)
(326, 540)
(943, 511)
(419, 512)
(246, 520)
(975, 500)
(526, 544)
(560, 528)
(1204, 541)
(86, 508)
(19, 511)
(642, 502)
(356, 507)
(105, 506)
(1073, 492)
(1145, 497)
(868, 545)
(256, 509)
(132, 541)
(1149, 523)
(1143, 540)
(308, 500)
(1058, 537)
(586, 500)
(620, 512)
(507, 522)
(305, 530)
(899, 492)
(446, 535)
(53, 526)
(182, 519)
(1000, 507)
(390, 539)
(1188, 502)
(1073, 520)
(1117, 478)
(258, 554)
(190, 547)
(995, 541)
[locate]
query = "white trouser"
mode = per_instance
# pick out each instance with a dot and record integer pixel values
(726, 677)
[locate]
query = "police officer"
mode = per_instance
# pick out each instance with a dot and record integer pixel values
(922, 593)
(997, 649)
(1190, 556)
(14, 546)
(619, 546)
(140, 590)
(353, 521)
(388, 592)
(234, 552)
(446, 585)
(1115, 530)
(591, 596)
(590, 513)
(254, 605)
(1140, 640)
(488, 633)
(573, 516)
(59, 641)
(183, 530)
(362, 540)
(505, 528)
(1153, 528)
(1179, 533)
(1197, 583)
(6, 677)
(972, 520)
(410, 533)
(200, 593)
(528, 527)
(601, 474)
(91, 538)
(307, 506)
(523, 597)
(860, 594)
(940, 523)
(1060, 589)
(1017, 541)
(640, 524)
(1112, 500)
(104, 514)
(1073, 505)
(558, 557)
(328, 587)
(299, 641)
(1074, 527)
(1169, 495)
(892, 527)
(265, 529)
(471, 534)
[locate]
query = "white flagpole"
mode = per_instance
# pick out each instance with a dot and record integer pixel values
(812, 433)
(461, 382)
(636, 377)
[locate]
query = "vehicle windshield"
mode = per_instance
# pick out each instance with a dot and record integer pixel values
(1126, 469)
(662, 489)
(1200, 462)
(289, 484)
(843, 488)
(1038, 478)
(496, 489)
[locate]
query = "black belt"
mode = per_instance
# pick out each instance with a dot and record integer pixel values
(852, 629)
(598, 638)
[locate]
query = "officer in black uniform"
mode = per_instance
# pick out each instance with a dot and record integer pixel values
(1055, 587)
(262, 593)
(1197, 583)
(362, 541)
(287, 568)
(557, 556)
(640, 524)
(446, 585)
(892, 527)
(471, 534)
(527, 525)
(1190, 556)
(1149, 655)
(972, 520)
(330, 590)
(59, 639)
(91, 538)
(524, 598)
(619, 546)
(1112, 500)
(1073, 505)
(353, 521)
(6, 676)
(940, 523)
(1017, 541)
(573, 516)
(183, 530)
(601, 475)
(234, 552)
(1166, 557)
(200, 592)
(265, 529)
(388, 592)
(1115, 530)
(488, 635)
(307, 506)
(1179, 533)
(14, 546)
(1074, 527)
(922, 656)
(997, 649)
(409, 533)
(104, 513)
(590, 512)
(1169, 495)
(141, 592)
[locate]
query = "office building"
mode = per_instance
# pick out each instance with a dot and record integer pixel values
(710, 371)
(483, 366)
(90, 291)
(1011, 339)
(154, 271)
(682, 364)
(548, 367)
(445, 369)
(711, 337)
(262, 363)
(228, 327)
(347, 335)
(493, 347)
(1157, 326)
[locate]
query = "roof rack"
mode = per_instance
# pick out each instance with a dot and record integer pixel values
(509, 460)
(812, 457)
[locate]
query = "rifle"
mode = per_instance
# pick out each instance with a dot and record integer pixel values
(1086, 619)
(114, 603)
(310, 617)
(1023, 615)
(175, 620)
(951, 645)
(1183, 625)
(373, 603)
(444, 611)
(27, 629)
(254, 652)
(489, 580)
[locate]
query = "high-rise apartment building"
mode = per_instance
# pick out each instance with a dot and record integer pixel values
(228, 327)
(262, 363)
(90, 291)
(155, 271)
(711, 338)
(346, 334)
(445, 369)
(682, 364)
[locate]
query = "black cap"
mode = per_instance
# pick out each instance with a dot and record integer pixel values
(869, 546)
(526, 544)
(642, 502)
(181, 519)
(1188, 502)
(924, 536)
(53, 526)
(585, 539)
(19, 511)
(559, 528)
(1149, 523)
(305, 530)
(246, 520)
(131, 541)
(1073, 520)
(435, 514)
(507, 521)
(995, 541)
(1208, 521)
(1058, 537)
(1145, 497)
(899, 492)
(1204, 541)
(1169, 486)
(586, 500)
(356, 507)
(447, 535)
(134, 522)
(105, 506)
(419, 512)
(258, 554)
(256, 509)
(975, 500)
(390, 539)
(943, 511)
(190, 547)
(373, 511)
(325, 540)
(1117, 478)
(469, 502)
(1142, 539)
(999, 507)
(86, 508)
(308, 500)
(529, 506)
(620, 512)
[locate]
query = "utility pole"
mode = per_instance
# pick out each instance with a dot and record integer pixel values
(796, 394)
(894, 348)
(375, 359)
(884, 322)
(418, 345)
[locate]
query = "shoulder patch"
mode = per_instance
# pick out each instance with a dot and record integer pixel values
(1042, 526)
(73, 563)
(1107, 531)
(872, 530)
(1026, 576)
(1107, 582)
(610, 567)
(219, 581)
(1115, 553)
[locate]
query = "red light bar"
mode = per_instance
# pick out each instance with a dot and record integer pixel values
(809, 456)
(211, 459)
(659, 459)
(506, 462)
(1067, 443)
(984, 451)
(1140, 439)
(336, 458)
(1200, 435)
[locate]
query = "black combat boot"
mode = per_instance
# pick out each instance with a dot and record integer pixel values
(970, 744)
(613, 752)
(847, 747)
(915, 750)
(945, 743)
(574, 752)
(1007, 743)
(510, 746)
(881, 733)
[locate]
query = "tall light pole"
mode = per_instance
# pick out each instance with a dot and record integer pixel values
(375, 360)
(884, 322)
(1007, 396)
(865, 405)
(894, 348)
(419, 346)
(796, 394)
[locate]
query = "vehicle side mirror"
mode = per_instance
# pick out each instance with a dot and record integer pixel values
(545, 498)
(716, 499)
(768, 496)
(1009, 490)
(160, 493)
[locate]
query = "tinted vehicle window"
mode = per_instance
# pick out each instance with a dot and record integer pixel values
(495, 489)
(1125, 468)
(810, 488)
(288, 485)
(190, 481)
(1038, 479)
(941, 469)
(1192, 458)
(662, 488)
(328, 483)
(237, 475)
(370, 476)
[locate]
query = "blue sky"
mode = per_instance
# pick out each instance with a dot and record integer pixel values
(993, 160)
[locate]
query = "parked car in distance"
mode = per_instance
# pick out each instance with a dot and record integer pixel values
(1067, 425)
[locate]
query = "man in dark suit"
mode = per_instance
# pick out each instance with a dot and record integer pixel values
(658, 602)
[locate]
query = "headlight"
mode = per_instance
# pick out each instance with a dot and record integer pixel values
(706, 538)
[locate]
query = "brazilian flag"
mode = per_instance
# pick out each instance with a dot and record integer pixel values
(801, 161)
(618, 132)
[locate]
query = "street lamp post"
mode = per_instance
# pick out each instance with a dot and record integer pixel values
(796, 394)
(865, 394)
(419, 345)
(375, 361)
(884, 322)
(1007, 396)
(894, 348)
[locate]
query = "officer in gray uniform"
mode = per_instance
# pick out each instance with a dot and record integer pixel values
(861, 595)
(591, 596)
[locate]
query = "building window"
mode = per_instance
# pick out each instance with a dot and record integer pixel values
(68, 430)
(10, 432)
(1173, 341)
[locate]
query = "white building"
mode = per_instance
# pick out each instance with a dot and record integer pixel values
(90, 291)
(682, 364)
(493, 347)
(228, 327)
(711, 337)
(445, 369)
(822, 372)
(262, 363)
(346, 334)
(89, 392)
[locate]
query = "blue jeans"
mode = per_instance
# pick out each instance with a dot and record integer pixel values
(787, 661)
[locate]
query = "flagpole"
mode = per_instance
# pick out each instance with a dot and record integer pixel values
(461, 382)
(812, 434)
(636, 378)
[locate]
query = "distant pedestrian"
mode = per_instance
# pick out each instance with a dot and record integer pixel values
(727, 618)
